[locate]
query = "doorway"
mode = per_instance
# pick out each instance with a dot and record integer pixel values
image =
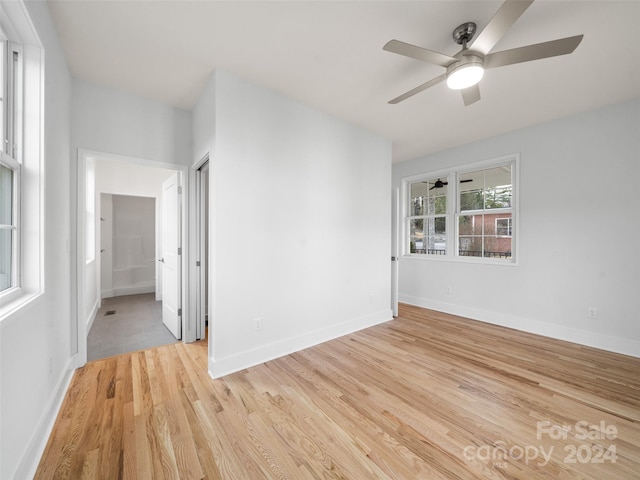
(100, 173)
(202, 264)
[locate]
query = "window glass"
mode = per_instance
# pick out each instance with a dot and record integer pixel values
(6, 227)
(428, 216)
(482, 233)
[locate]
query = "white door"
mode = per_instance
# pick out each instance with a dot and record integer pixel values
(171, 255)
(395, 249)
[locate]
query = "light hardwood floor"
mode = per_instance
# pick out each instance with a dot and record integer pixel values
(426, 396)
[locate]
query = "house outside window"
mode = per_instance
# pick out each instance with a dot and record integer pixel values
(464, 214)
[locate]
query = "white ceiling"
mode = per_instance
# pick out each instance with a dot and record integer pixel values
(329, 55)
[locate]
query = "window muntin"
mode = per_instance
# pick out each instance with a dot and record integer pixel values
(476, 214)
(427, 220)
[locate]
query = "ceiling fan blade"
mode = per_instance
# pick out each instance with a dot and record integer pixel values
(506, 16)
(418, 89)
(419, 53)
(471, 94)
(467, 180)
(537, 51)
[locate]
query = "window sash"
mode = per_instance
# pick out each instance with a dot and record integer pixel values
(427, 224)
(10, 164)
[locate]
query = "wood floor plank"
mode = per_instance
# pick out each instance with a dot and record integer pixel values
(426, 396)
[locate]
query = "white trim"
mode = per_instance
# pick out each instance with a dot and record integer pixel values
(134, 290)
(28, 464)
(609, 343)
(248, 358)
(198, 248)
(92, 315)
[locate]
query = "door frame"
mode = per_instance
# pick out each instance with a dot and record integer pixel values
(201, 268)
(80, 322)
(395, 249)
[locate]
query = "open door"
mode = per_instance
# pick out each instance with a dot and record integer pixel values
(202, 230)
(171, 255)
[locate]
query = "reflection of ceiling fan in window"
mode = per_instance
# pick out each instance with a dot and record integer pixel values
(439, 183)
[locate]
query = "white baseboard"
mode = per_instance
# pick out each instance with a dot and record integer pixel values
(239, 361)
(29, 463)
(92, 315)
(133, 290)
(569, 334)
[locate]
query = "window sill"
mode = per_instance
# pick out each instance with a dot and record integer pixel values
(460, 260)
(13, 301)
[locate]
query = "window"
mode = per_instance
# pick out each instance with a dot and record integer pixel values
(503, 227)
(21, 159)
(427, 220)
(485, 197)
(11, 120)
(471, 208)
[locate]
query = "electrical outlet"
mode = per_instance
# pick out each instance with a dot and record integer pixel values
(449, 289)
(257, 324)
(592, 312)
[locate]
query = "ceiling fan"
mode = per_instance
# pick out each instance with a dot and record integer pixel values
(439, 183)
(466, 68)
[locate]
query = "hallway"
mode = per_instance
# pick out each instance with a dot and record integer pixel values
(136, 324)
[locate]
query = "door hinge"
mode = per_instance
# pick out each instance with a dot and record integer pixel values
(179, 190)
(179, 312)
(197, 263)
(179, 250)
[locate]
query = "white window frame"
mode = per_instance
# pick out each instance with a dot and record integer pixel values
(452, 176)
(24, 156)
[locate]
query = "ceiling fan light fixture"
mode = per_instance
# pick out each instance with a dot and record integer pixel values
(465, 73)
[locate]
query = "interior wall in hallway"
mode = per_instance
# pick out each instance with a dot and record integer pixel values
(133, 243)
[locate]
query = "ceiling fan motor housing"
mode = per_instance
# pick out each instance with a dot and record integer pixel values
(464, 33)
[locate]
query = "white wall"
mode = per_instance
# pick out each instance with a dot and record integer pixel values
(106, 120)
(134, 245)
(300, 206)
(579, 232)
(35, 346)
